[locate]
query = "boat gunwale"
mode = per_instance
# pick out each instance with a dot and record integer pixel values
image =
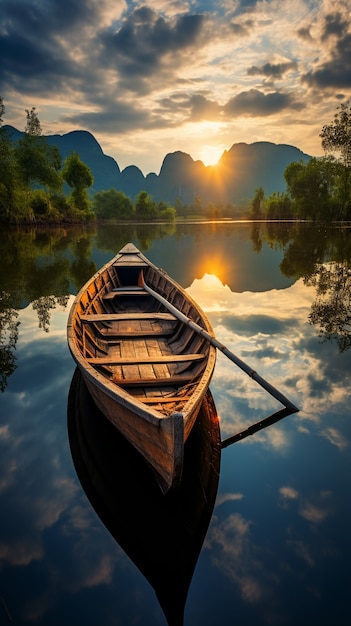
(115, 391)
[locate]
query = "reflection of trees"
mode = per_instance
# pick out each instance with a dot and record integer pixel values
(44, 305)
(82, 267)
(322, 256)
(331, 310)
(8, 338)
(112, 237)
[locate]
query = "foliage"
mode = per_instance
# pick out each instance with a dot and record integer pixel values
(33, 126)
(145, 207)
(331, 309)
(38, 162)
(168, 213)
(336, 138)
(257, 204)
(278, 207)
(31, 179)
(2, 110)
(311, 186)
(113, 204)
(79, 177)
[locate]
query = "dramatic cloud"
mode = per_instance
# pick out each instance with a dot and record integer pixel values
(256, 103)
(272, 70)
(139, 74)
(146, 42)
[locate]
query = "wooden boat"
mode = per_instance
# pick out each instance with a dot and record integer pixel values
(163, 536)
(145, 367)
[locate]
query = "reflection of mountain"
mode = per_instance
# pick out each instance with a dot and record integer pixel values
(163, 535)
(331, 310)
(241, 170)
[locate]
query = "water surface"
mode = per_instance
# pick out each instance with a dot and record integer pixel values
(277, 550)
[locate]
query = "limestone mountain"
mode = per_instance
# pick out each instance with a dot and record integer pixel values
(239, 172)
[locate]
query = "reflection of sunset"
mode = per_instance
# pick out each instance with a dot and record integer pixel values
(210, 293)
(213, 267)
(210, 282)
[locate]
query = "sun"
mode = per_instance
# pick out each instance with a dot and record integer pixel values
(210, 154)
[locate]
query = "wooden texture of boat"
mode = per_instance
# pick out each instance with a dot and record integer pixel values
(147, 370)
(163, 536)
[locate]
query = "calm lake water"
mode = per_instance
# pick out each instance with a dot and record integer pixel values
(277, 550)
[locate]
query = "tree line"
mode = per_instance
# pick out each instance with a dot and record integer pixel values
(33, 179)
(318, 189)
(34, 182)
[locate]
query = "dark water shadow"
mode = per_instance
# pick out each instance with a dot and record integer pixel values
(162, 535)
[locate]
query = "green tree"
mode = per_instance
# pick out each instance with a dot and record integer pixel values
(145, 207)
(311, 186)
(336, 138)
(33, 126)
(8, 173)
(168, 213)
(278, 206)
(257, 204)
(79, 177)
(2, 110)
(113, 204)
(37, 161)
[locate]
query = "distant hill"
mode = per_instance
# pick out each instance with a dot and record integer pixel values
(240, 171)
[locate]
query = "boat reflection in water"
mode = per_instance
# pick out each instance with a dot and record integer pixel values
(162, 535)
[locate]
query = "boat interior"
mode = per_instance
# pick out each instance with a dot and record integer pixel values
(130, 337)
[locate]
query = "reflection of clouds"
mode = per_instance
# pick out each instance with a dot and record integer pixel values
(40, 501)
(288, 493)
(312, 513)
(301, 549)
(335, 438)
(89, 547)
(260, 569)
(222, 498)
(271, 332)
(21, 552)
(4, 432)
(234, 553)
(315, 509)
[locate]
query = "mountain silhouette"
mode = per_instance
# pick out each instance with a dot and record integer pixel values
(239, 172)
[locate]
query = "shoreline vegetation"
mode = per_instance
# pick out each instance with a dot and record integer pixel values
(37, 188)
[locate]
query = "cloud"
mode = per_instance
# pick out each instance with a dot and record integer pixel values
(271, 70)
(334, 24)
(255, 102)
(336, 72)
(333, 69)
(147, 44)
(140, 71)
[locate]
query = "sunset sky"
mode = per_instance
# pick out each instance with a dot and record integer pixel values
(149, 78)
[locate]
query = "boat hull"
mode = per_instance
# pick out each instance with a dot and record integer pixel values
(146, 371)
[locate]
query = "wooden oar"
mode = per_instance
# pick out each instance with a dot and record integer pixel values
(246, 368)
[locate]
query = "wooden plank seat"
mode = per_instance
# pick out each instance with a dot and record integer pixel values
(125, 291)
(162, 399)
(118, 317)
(167, 381)
(138, 360)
